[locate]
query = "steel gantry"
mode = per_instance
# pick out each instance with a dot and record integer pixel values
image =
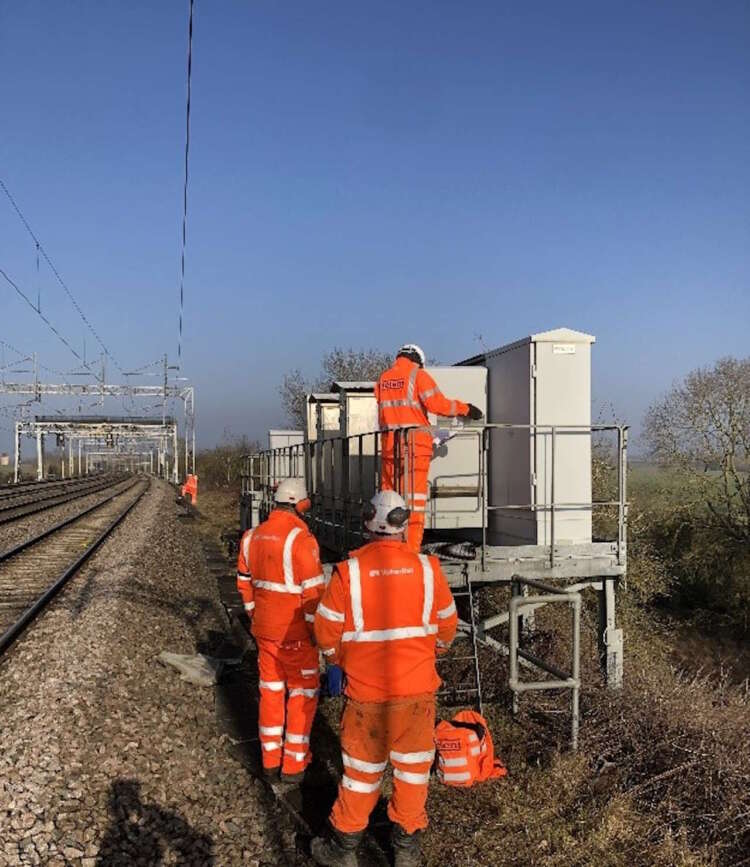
(95, 434)
(163, 432)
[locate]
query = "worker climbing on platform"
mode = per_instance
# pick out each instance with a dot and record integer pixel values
(385, 614)
(406, 393)
(281, 581)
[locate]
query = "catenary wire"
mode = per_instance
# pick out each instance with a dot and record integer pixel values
(41, 316)
(40, 249)
(185, 183)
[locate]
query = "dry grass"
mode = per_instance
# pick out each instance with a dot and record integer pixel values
(662, 776)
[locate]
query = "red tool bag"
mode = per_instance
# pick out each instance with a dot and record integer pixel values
(465, 751)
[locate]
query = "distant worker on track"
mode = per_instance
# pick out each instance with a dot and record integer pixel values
(281, 581)
(385, 614)
(405, 394)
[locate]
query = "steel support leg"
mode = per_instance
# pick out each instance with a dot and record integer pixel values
(17, 451)
(610, 638)
(39, 456)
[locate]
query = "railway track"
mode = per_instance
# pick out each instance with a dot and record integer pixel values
(36, 497)
(32, 572)
(11, 489)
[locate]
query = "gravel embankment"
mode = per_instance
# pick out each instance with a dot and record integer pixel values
(106, 757)
(18, 531)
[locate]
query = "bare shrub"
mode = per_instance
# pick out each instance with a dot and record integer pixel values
(338, 365)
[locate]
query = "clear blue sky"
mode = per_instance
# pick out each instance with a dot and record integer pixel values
(364, 174)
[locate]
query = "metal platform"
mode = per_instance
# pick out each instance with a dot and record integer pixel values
(343, 472)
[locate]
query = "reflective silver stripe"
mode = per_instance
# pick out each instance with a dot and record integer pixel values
(410, 777)
(308, 672)
(452, 763)
(391, 634)
(246, 546)
(310, 618)
(473, 737)
(429, 589)
(287, 559)
(412, 383)
(475, 751)
(326, 612)
(361, 765)
(271, 745)
(456, 777)
(359, 786)
(273, 685)
(328, 652)
(392, 404)
(249, 606)
(355, 593)
(399, 426)
(443, 643)
(277, 587)
(422, 497)
(241, 576)
(447, 611)
(424, 395)
(271, 730)
(297, 739)
(418, 509)
(298, 757)
(413, 758)
(308, 693)
(313, 582)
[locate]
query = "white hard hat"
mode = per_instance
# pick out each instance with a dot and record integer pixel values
(411, 349)
(386, 514)
(291, 491)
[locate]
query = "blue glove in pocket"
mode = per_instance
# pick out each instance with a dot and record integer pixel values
(335, 679)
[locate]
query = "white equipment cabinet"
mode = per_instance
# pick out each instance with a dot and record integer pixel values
(358, 415)
(454, 490)
(323, 411)
(289, 463)
(542, 381)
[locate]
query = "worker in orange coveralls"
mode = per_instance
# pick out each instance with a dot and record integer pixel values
(385, 614)
(405, 394)
(281, 581)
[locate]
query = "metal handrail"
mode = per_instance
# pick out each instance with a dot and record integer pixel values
(336, 504)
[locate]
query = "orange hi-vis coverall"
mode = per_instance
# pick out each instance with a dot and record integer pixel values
(385, 614)
(281, 581)
(405, 394)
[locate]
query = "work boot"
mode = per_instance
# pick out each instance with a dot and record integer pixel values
(292, 779)
(406, 849)
(337, 849)
(271, 774)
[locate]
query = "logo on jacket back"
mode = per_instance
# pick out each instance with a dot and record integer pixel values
(449, 746)
(394, 384)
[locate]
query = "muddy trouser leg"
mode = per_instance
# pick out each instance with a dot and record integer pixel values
(364, 751)
(272, 698)
(411, 754)
(387, 470)
(301, 669)
(416, 499)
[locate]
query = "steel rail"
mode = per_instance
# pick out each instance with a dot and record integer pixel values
(10, 634)
(22, 510)
(12, 490)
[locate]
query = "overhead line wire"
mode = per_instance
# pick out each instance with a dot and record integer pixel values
(185, 183)
(40, 249)
(41, 315)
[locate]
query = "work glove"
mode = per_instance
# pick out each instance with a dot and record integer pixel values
(334, 679)
(474, 413)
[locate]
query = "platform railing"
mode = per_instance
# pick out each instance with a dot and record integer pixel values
(343, 472)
